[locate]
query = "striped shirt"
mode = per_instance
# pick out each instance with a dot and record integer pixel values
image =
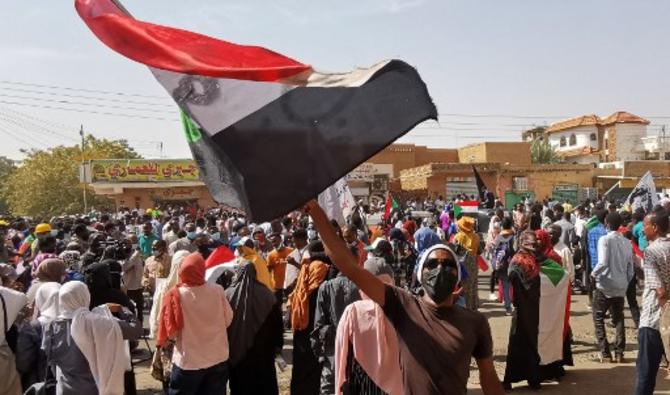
(656, 276)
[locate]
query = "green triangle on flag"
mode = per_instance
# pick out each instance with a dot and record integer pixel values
(553, 271)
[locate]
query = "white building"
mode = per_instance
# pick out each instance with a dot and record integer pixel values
(576, 139)
(591, 139)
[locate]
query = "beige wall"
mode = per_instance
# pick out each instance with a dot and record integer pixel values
(426, 155)
(517, 153)
(407, 156)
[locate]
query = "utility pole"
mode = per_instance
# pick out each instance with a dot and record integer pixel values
(662, 151)
(83, 166)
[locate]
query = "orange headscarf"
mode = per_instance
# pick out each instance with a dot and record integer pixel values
(310, 277)
(171, 321)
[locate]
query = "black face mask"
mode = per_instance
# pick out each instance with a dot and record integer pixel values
(439, 283)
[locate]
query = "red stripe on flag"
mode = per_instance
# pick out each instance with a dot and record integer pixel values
(180, 50)
(469, 203)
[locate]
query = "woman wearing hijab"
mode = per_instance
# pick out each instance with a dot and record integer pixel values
(436, 338)
(49, 270)
(256, 334)
(306, 373)
(524, 359)
(545, 247)
(87, 347)
(11, 303)
(161, 365)
(99, 282)
(194, 314)
(366, 345)
(30, 358)
(469, 240)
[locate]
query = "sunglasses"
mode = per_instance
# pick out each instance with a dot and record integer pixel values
(432, 263)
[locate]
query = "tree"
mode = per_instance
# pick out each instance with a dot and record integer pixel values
(542, 152)
(7, 167)
(47, 183)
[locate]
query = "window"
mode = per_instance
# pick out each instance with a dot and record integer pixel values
(593, 137)
(520, 183)
(573, 139)
(562, 142)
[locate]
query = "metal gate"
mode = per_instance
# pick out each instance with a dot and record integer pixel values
(513, 198)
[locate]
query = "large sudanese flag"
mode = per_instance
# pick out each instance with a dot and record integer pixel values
(267, 132)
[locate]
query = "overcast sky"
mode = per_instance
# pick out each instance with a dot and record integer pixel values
(531, 61)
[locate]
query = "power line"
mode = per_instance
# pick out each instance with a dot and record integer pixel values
(87, 97)
(40, 99)
(24, 122)
(87, 111)
(28, 144)
(67, 88)
(60, 126)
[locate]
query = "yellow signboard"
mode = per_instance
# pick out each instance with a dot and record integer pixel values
(143, 170)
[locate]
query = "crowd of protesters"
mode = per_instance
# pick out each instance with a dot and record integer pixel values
(373, 309)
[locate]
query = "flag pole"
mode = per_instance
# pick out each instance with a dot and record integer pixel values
(83, 166)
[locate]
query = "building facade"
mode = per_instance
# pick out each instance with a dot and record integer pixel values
(591, 139)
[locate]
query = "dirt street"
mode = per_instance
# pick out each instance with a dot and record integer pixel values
(585, 378)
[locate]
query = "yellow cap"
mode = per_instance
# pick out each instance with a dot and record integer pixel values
(43, 228)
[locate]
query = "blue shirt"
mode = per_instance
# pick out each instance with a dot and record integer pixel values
(425, 238)
(595, 234)
(145, 243)
(638, 233)
(615, 265)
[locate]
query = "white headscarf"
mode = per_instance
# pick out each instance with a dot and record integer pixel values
(97, 335)
(424, 258)
(72, 296)
(14, 302)
(162, 288)
(46, 302)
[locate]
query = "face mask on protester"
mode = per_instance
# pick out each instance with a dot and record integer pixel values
(191, 235)
(216, 236)
(156, 253)
(439, 281)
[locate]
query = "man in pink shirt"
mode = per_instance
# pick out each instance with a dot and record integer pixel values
(196, 314)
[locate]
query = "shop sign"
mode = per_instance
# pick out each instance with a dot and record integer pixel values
(142, 170)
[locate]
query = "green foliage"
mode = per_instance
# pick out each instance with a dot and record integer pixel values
(47, 183)
(542, 152)
(7, 167)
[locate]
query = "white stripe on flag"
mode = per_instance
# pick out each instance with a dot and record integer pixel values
(552, 318)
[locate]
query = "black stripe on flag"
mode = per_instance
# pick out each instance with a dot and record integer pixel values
(311, 136)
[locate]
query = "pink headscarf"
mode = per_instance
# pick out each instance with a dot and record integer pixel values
(374, 343)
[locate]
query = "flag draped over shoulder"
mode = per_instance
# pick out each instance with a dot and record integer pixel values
(268, 132)
(554, 288)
